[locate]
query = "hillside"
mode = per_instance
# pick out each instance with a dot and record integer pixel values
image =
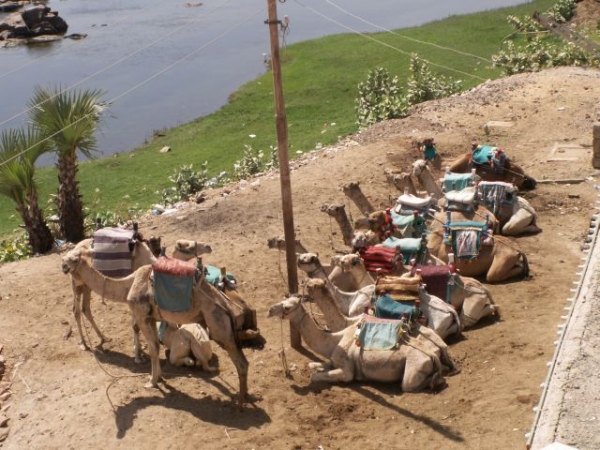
(62, 397)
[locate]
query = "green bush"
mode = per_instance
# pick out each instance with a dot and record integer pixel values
(14, 249)
(379, 98)
(186, 182)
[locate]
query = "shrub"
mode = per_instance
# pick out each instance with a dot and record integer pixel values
(186, 183)
(379, 98)
(14, 249)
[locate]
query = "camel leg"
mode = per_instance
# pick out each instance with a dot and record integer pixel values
(419, 371)
(87, 312)
(77, 293)
(136, 342)
(343, 372)
(319, 366)
(520, 223)
(505, 269)
(148, 328)
(203, 353)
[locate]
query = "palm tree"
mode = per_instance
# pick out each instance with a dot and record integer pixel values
(69, 120)
(18, 152)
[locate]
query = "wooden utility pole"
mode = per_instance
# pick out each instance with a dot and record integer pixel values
(284, 166)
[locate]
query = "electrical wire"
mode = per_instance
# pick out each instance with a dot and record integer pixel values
(137, 86)
(366, 36)
(460, 52)
(119, 61)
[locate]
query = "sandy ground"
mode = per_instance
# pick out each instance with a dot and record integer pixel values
(57, 396)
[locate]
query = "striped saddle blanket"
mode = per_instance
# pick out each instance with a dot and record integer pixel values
(112, 251)
(381, 259)
(398, 288)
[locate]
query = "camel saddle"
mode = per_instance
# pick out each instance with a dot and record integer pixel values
(112, 251)
(399, 288)
(414, 202)
(380, 334)
(457, 181)
(436, 280)
(388, 308)
(465, 238)
(410, 248)
(465, 200)
(381, 259)
(496, 194)
(173, 282)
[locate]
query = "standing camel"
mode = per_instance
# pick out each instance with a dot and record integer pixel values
(141, 255)
(207, 307)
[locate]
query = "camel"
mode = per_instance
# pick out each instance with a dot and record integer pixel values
(351, 303)
(401, 181)
(441, 317)
(416, 365)
(338, 212)
(208, 307)
(469, 297)
(473, 211)
(245, 316)
(421, 172)
(512, 173)
(141, 255)
(185, 340)
(515, 214)
(340, 278)
(500, 261)
(336, 321)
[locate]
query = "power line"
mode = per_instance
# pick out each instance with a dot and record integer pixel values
(137, 86)
(460, 52)
(57, 50)
(366, 36)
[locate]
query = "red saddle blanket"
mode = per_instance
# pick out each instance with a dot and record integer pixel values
(381, 259)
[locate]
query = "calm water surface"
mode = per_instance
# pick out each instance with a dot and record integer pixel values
(163, 64)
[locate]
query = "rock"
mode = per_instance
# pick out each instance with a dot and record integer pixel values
(3, 434)
(3, 421)
(165, 149)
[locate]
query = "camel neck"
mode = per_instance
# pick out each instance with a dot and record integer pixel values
(317, 339)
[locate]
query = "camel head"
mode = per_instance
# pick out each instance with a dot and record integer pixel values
(419, 166)
(308, 262)
(285, 308)
(186, 249)
(363, 239)
(346, 262)
(71, 261)
(276, 242)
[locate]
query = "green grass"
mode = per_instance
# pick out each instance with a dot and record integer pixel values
(320, 79)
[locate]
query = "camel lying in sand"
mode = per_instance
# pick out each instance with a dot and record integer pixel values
(469, 297)
(187, 345)
(141, 256)
(500, 261)
(208, 306)
(440, 317)
(415, 363)
(512, 173)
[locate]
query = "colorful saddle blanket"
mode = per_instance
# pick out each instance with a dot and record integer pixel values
(404, 223)
(483, 154)
(388, 308)
(465, 239)
(173, 283)
(381, 259)
(495, 195)
(379, 334)
(436, 280)
(409, 247)
(112, 251)
(398, 288)
(213, 275)
(457, 181)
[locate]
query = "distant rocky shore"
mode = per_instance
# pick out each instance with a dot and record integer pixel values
(30, 24)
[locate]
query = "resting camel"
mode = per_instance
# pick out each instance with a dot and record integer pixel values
(336, 321)
(415, 364)
(208, 307)
(185, 340)
(498, 262)
(141, 256)
(512, 173)
(477, 212)
(469, 297)
(401, 181)
(441, 317)
(351, 303)
(421, 172)
(340, 278)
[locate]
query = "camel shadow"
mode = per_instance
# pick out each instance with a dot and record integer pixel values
(387, 390)
(207, 409)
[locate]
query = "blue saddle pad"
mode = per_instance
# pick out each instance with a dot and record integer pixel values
(173, 293)
(388, 308)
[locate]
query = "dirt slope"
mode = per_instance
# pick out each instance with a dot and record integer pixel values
(64, 398)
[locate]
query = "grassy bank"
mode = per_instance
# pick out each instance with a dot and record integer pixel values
(320, 85)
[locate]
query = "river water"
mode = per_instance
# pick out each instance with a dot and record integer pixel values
(163, 64)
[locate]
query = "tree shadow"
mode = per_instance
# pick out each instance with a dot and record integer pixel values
(389, 390)
(207, 409)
